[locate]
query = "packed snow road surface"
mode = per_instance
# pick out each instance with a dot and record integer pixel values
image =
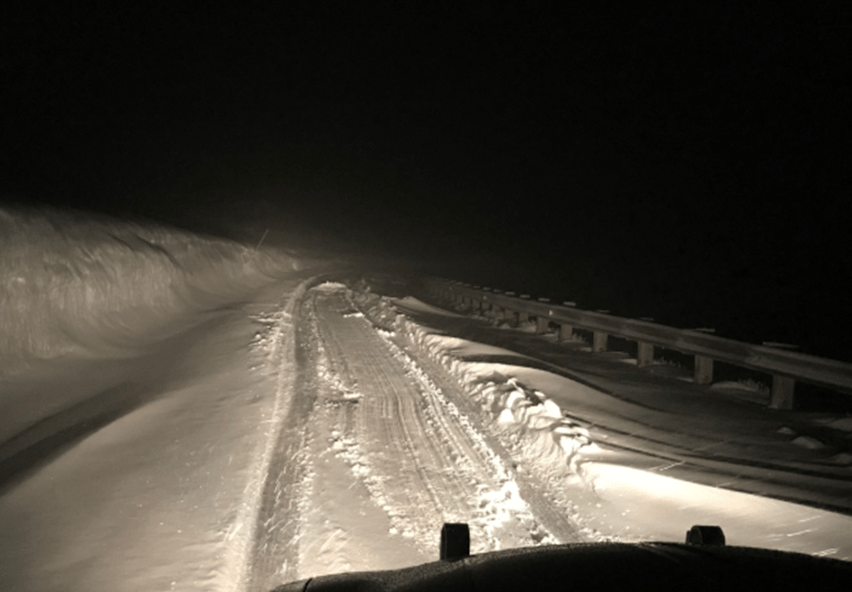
(377, 456)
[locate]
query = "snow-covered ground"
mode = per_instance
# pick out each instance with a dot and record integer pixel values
(185, 413)
(615, 458)
(140, 393)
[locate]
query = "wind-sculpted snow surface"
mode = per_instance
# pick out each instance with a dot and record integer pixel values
(144, 377)
(80, 284)
(621, 487)
(184, 413)
(527, 422)
(502, 503)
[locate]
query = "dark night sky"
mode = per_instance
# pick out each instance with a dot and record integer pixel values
(613, 145)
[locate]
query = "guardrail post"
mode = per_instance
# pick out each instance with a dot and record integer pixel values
(541, 323)
(511, 316)
(599, 341)
(703, 370)
(565, 332)
(644, 354)
(782, 392)
(523, 317)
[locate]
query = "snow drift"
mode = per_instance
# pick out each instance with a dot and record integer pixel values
(608, 499)
(75, 283)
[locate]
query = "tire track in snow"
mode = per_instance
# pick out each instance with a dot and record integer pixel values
(275, 535)
(385, 443)
(423, 462)
(541, 522)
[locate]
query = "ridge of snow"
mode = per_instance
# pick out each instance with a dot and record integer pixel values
(627, 503)
(501, 505)
(279, 344)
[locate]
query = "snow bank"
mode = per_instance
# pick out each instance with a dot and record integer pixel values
(164, 496)
(498, 505)
(526, 417)
(87, 285)
(144, 374)
(610, 501)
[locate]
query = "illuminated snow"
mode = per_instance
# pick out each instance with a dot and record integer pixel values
(195, 361)
(623, 502)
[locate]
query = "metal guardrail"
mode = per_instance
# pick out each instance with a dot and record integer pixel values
(785, 367)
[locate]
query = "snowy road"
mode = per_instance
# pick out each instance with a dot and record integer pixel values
(378, 456)
(281, 434)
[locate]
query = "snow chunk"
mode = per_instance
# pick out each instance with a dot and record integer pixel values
(844, 424)
(516, 399)
(506, 499)
(551, 409)
(809, 443)
(329, 287)
(506, 417)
